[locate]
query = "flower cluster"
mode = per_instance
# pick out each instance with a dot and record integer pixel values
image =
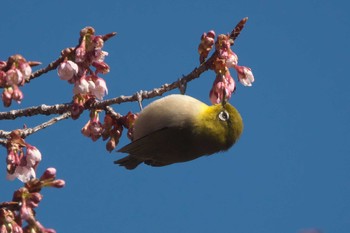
(13, 74)
(128, 122)
(223, 59)
(93, 128)
(207, 42)
(76, 70)
(111, 128)
(13, 214)
(22, 158)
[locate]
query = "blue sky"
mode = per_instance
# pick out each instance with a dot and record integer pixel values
(288, 172)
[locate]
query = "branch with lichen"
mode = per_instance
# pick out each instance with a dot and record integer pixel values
(81, 66)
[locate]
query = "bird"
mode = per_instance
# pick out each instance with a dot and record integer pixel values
(179, 128)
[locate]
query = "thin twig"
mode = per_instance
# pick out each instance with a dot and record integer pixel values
(52, 66)
(28, 131)
(109, 110)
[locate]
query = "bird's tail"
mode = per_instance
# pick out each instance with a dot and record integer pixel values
(128, 162)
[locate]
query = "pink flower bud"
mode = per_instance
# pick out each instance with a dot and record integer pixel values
(67, 70)
(100, 55)
(14, 77)
(211, 34)
(7, 96)
(100, 88)
(101, 67)
(223, 85)
(26, 70)
(80, 52)
(207, 42)
(50, 173)
(2, 78)
(58, 183)
(86, 129)
(81, 86)
(3, 228)
(245, 75)
(34, 200)
(232, 59)
(98, 42)
(111, 144)
(3, 64)
(96, 130)
(39, 228)
(17, 94)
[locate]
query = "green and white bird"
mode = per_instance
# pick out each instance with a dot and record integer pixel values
(179, 128)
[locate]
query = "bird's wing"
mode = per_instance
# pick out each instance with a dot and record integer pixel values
(158, 142)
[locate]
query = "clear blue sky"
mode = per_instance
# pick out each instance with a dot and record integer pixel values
(290, 169)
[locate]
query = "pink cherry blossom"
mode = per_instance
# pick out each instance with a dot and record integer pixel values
(100, 55)
(207, 42)
(19, 165)
(245, 75)
(223, 85)
(26, 70)
(67, 70)
(17, 94)
(23, 173)
(33, 155)
(7, 96)
(100, 88)
(92, 129)
(82, 86)
(232, 59)
(14, 77)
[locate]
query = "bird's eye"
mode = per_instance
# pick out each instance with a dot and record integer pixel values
(224, 116)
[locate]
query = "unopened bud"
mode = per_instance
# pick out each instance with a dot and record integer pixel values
(50, 173)
(111, 144)
(58, 183)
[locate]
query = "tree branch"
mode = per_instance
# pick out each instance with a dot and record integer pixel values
(37, 110)
(139, 96)
(62, 108)
(65, 53)
(28, 131)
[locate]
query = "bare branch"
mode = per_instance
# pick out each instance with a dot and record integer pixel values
(29, 131)
(109, 110)
(32, 111)
(62, 108)
(52, 66)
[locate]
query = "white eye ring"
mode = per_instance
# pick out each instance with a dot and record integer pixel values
(224, 116)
